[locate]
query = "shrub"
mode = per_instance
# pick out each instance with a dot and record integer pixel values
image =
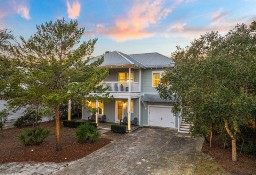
(34, 136)
(249, 148)
(75, 124)
(118, 129)
(3, 117)
(87, 133)
(28, 119)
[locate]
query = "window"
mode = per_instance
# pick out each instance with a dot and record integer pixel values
(125, 104)
(131, 107)
(92, 105)
(123, 77)
(156, 77)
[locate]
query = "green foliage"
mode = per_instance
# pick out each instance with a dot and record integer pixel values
(214, 80)
(3, 117)
(249, 148)
(75, 124)
(87, 133)
(118, 129)
(76, 111)
(30, 118)
(34, 136)
(53, 67)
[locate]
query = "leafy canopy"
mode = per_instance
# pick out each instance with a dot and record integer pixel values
(214, 79)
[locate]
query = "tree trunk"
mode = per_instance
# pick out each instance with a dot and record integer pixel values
(57, 118)
(211, 137)
(233, 139)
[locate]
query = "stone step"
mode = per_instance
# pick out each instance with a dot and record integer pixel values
(184, 126)
(185, 132)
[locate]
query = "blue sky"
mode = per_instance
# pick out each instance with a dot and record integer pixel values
(131, 26)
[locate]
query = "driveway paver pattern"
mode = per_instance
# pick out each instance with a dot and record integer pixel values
(147, 151)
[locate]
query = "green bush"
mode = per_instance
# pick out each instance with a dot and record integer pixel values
(118, 129)
(249, 148)
(75, 124)
(34, 136)
(3, 117)
(27, 120)
(87, 133)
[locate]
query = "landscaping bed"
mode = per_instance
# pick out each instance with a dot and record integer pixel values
(13, 151)
(246, 164)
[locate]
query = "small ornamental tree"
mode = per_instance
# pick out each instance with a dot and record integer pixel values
(54, 68)
(214, 82)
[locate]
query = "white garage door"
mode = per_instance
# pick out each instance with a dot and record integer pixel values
(161, 116)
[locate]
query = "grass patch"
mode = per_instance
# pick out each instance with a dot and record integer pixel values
(207, 165)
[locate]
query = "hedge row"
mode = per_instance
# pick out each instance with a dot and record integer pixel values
(118, 129)
(75, 124)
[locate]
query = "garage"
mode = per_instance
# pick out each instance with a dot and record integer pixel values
(161, 116)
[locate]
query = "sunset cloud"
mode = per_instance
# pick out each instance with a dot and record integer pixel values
(73, 9)
(218, 17)
(23, 11)
(136, 23)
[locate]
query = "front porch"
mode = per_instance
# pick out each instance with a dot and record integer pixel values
(125, 110)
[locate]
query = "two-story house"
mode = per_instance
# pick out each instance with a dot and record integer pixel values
(132, 81)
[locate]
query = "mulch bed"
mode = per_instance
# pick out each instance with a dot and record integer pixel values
(246, 164)
(11, 150)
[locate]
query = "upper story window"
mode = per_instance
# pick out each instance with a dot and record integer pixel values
(123, 77)
(156, 78)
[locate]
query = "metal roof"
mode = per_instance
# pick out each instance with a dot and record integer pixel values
(153, 60)
(154, 98)
(146, 60)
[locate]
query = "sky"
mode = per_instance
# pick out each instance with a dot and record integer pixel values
(131, 26)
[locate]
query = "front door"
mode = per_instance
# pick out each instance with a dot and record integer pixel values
(120, 110)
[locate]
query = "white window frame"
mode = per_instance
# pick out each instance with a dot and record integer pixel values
(154, 72)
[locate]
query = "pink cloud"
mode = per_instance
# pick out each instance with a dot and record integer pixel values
(135, 24)
(23, 11)
(218, 17)
(11, 7)
(73, 9)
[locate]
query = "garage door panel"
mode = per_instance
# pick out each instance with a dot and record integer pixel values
(161, 116)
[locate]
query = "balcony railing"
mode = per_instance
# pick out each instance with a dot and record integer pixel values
(115, 86)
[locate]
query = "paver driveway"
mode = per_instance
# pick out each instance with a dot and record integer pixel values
(146, 151)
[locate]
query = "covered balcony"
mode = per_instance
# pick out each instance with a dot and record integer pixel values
(117, 86)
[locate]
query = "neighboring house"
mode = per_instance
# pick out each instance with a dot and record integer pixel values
(132, 81)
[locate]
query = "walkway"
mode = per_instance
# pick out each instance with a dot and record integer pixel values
(145, 151)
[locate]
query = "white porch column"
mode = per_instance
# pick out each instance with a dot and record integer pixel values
(129, 80)
(69, 109)
(129, 114)
(139, 80)
(139, 110)
(97, 112)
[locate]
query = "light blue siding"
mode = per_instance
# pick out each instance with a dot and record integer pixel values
(109, 111)
(146, 80)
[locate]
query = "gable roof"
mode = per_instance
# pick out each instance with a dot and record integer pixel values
(117, 59)
(153, 60)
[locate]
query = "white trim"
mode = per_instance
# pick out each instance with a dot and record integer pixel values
(129, 79)
(139, 80)
(129, 114)
(161, 106)
(139, 111)
(116, 110)
(154, 72)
